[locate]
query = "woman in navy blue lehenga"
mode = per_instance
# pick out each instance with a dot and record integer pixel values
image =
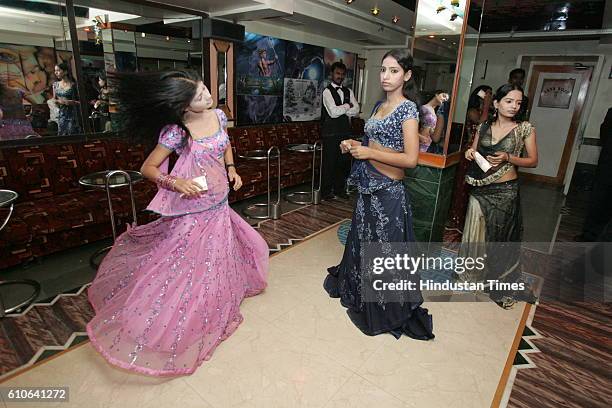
(382, 213)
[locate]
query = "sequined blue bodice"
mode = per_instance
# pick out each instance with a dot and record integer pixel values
(388, 133)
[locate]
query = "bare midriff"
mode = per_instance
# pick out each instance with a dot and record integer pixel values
(510, 175)
(393, 172)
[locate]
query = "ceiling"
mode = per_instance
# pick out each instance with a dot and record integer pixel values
(541, 15)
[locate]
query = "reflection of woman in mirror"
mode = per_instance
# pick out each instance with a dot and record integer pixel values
(494, 209)
(264, 63)
(429, 129)
(65, 95)
(101, 104)
(479, 107)
(13, 121)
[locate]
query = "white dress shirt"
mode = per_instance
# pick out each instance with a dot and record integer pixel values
(335, 111)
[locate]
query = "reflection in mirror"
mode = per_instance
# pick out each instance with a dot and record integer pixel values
(126, 37)
(40, 93)
(222, 77)
(28, 61)
(472, 108)
(436, 47)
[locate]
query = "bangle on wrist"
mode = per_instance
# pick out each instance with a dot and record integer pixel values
(227, 166)
(166, 181)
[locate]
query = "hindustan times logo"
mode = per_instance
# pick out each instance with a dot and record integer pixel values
(413, 264)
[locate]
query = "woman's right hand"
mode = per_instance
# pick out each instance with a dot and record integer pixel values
(346, 144)
(187, 188)
(469, 154)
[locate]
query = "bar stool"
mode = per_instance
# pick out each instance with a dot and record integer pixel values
(272, 210)
(8, 197)
(107, 180)
(314, 195)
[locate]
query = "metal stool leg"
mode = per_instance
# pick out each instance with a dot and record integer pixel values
(316, 193)
(273, 210)
(92, 258)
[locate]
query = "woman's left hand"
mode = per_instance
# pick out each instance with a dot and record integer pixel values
(233, 176)
(360, 152)
(498, 158)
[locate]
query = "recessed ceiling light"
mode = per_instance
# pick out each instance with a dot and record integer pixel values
(188, 41)
(167, 38)
(375, 11)
(143, 35)
(432, 36)
(349, 1)
(395, 19)
(444, 39)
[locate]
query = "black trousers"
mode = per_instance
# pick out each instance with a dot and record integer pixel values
(336, 166)
(599, 211)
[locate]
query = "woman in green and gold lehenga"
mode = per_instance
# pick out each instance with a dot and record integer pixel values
(494, 223)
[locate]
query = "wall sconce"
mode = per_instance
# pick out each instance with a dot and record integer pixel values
(375, 11)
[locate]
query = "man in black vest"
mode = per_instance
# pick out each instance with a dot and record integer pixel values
(339, 106)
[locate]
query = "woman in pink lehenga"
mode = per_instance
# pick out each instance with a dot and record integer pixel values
(169, 291)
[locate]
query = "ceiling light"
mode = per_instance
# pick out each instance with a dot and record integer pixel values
(143, 35)
(432, 36)
(349, 1)
(375, 11)
(443, 39)
(167, 38)
(395, 19)
(33, 21)
(188, 41)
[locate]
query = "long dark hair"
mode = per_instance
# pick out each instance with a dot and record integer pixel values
(475, 100)
(148, 101)
(501, 93)
(405, 60)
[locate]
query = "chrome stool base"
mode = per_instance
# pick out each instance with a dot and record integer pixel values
(92, 258)
(300, 197)
(262, 211)
(36, 287)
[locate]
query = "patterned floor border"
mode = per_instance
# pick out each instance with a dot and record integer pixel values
(521, 358)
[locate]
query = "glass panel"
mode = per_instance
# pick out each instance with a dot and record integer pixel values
(222, 77)
(29, 37)
(460, 135)
(436, 47)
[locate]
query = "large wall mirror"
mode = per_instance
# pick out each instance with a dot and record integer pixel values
(441, 58)
(46, 92)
